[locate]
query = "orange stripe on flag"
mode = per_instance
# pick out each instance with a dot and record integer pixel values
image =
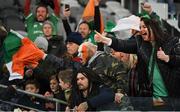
(89, 10)
(88, 14)
(28, 54)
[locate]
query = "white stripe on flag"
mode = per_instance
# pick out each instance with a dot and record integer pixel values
(13, 75)
(9, 66)
(16, 33)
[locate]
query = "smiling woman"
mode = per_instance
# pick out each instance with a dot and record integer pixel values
(157, 60)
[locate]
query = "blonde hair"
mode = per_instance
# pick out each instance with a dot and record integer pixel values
(132, 60)
(90, 45)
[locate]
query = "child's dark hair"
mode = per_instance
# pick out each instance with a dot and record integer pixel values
(33, 82)
(66, 75)
(54, 77)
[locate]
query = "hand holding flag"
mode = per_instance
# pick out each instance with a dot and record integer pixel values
(28, 54)
(25, 53)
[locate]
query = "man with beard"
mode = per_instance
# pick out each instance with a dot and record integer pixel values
(34, 22)
(111, 71)
(87, 26)
(88, 92)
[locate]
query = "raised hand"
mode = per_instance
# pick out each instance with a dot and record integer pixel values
(97, 2)
(147, 7)
(101, 38)
(66, 12)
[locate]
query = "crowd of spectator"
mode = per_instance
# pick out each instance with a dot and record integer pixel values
(90, 70)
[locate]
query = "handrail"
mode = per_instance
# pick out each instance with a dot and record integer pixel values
(26, 107)
(37, 95)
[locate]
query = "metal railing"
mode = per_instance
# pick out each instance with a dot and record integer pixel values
(32, 94)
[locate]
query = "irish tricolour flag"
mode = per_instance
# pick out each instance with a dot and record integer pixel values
(20, 51)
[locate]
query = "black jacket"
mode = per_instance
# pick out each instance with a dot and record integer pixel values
(98, 97)
(52, 65)
(143, 49)
(56, 46)
(36, 103)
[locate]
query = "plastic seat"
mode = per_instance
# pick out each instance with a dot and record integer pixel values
(6, 3)
(14, 22)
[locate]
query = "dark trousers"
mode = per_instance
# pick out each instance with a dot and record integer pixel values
(146, 104)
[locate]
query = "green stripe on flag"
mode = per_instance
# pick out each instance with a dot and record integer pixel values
(10, 46)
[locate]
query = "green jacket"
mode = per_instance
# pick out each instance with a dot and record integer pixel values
(34, 28)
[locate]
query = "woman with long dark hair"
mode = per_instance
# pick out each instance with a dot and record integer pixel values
(158, 62)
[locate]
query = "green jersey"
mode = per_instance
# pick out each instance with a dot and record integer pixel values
(90, 38)
(34, 28)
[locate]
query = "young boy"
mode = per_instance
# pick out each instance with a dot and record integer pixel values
(31, 101)
(65, 78)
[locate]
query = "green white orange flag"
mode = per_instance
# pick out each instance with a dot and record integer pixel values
(19, 52)
(88, 13)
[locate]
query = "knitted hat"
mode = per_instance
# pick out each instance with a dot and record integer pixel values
(41, 43)
(75, 37)
(51, 24)
(48, 22)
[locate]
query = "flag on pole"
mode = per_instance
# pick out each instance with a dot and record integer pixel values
(19, 52)
(88, 14)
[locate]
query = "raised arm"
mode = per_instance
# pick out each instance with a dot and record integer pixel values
(97, 17)
(97, 22)
(66, 14)
(127, 46)
(57, 7)
(27, 7)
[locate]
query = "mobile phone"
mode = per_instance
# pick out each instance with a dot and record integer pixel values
(67, 7)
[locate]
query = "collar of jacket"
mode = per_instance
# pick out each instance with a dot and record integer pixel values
(97, 53)
(76, 59)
